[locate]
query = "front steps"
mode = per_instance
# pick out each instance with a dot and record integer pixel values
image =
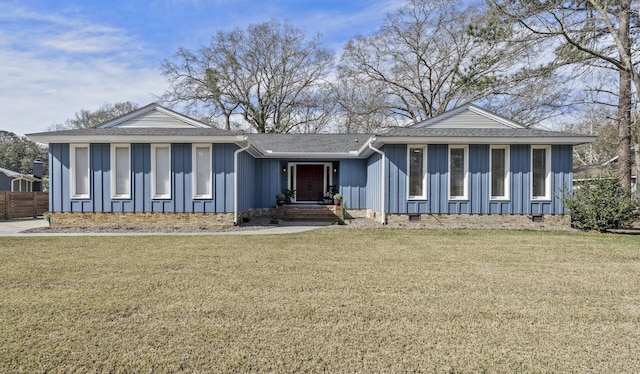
(309, 213)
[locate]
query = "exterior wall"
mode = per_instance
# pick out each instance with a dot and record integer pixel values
(268, 179)
(373, 186)
(352, 183)
(468, 221)
(261, 179)
(477, 221)
(246, 182)
(5, 182)
(479, 201)
(100, 183)
(350, 179)
(467, 119)
(141, 220)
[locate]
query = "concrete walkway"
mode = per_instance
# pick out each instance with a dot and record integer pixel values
(15, 228)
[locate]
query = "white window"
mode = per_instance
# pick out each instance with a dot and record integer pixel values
(21, 185)
(79, 171)
(458, 170)
(202, 171)
(417, 161)
(161, 171)
(499, 172)
(541, 173)
(120, 171)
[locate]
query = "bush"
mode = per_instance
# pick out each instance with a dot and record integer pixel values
(601, 204)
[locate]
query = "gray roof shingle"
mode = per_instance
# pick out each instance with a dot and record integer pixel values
(309, 143)
(110, 131)
(476, 132)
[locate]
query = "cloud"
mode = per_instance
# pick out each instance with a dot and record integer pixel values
(54, 65)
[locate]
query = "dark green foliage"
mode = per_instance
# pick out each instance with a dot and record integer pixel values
(17, 153)
(601, 204)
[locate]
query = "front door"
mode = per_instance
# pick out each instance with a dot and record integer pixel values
(309, 182)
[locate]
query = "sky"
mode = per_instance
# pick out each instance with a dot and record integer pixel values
(60, 56)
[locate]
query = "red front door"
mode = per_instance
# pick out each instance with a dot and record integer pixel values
(309, 182)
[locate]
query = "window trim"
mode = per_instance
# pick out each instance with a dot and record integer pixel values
(73, 171)
(465, 185)
(424, 172)
(154, 195)
(194, 163)
(547, 179)
(113, 172)
(507, 170)
(28, 185)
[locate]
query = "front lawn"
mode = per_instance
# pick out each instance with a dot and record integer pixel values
(332, 299)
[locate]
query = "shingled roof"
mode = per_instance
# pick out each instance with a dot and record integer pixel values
(465, 125)
(476, 132)
(148, 131)
(308, 143)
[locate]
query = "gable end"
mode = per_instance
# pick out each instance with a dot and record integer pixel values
(468, 117)
(154, 116)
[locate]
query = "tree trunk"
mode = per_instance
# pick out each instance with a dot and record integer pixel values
(637, 154)
(624, 106)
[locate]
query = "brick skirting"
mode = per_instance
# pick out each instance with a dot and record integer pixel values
(142, 220)
(474, 221)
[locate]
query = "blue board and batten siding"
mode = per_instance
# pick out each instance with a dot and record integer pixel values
(269, 179)
(181, 183)
(260, 180)
(352, 183)
(478, 201)
(374, 187)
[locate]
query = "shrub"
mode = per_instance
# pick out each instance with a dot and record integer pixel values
(601, 204)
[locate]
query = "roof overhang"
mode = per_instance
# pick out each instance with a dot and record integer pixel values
(52, 138)
(573, 140)
(25, 177)
(305, 155)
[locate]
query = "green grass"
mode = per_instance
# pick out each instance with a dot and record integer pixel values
(334, 299)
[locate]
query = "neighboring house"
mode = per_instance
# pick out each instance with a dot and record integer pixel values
(16, 182)
(155, 166)
(584, 173)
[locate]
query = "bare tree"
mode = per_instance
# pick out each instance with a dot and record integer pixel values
(270, 75)
(599, 121)
(362, 106)
(431, 56)
(88, 119)
(599, 34)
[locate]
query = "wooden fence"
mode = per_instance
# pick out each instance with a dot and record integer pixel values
(23, 204)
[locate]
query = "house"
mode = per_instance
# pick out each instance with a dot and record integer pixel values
(154, 166)
(17, 182)
(585, 173)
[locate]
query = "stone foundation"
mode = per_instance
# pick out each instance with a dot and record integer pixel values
(472, 221)
(200, 221)
(269, 212)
